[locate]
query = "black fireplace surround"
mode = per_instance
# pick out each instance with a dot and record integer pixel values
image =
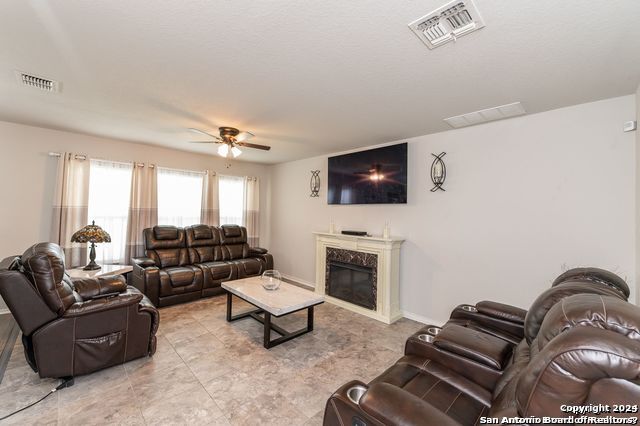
(352, 276)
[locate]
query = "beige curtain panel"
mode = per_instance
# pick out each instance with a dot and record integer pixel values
(71, 206)
(252, 210)
(210, 207)
(143, 208)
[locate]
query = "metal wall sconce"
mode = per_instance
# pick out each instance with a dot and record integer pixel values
(314, 183)
(438, 172)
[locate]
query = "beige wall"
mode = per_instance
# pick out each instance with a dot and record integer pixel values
(28, 176)
(637, 132)
(525, 199)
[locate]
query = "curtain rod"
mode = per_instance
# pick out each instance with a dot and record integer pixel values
(58, 154)
(84, 157)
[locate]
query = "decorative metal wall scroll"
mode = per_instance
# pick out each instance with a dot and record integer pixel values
(314, 184)
(438, 172)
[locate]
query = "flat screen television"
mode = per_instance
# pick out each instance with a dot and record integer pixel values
(375, 176)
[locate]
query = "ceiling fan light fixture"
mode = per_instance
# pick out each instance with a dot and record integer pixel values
(223, 150)
(235, 151)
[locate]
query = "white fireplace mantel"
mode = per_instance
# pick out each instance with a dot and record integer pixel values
(388, 271)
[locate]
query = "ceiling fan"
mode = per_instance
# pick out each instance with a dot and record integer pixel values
(230, 139)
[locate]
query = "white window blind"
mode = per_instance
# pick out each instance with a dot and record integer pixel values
(231, 197)
(179, 197)
(109, 192)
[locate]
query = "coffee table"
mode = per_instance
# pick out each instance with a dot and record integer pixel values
(285, 300)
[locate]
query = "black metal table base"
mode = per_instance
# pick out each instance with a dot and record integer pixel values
(268, 325)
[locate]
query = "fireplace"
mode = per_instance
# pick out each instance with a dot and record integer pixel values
(351, 276)
(351, 283)
(360, 273)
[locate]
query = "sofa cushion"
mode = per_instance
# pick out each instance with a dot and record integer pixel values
(165, 232)
(219, 270)
(249, 267)
(203, 243)
(231, 231)
(166, 246)
(180, 279)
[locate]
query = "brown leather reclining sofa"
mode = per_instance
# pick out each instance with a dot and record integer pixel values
(580, 346)
(74, 326)
(184, 264)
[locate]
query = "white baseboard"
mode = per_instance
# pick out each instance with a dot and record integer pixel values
(300, 281)
(421, 318)
(4, 311)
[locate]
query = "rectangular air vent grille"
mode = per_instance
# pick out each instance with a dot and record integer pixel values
(485, 115)
(37, 82)
(447, 23)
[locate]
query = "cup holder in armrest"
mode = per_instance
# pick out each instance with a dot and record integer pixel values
(426, 338)
(434, 331)
(469, 308)
(355, 393)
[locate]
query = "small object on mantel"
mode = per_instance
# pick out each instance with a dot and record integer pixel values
(332, 227)
(356, 233)
(386, 232)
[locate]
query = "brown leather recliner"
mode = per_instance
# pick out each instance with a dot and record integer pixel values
(586, 351)
(479, 352)
(507, 322)
(74, 326)
(190, 263)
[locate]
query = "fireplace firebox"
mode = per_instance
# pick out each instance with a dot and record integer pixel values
(351, 276)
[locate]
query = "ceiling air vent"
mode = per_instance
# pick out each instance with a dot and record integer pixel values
(38, 82)
(485, 115)
(447, 23)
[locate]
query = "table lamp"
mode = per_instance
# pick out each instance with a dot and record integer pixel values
(91, 234)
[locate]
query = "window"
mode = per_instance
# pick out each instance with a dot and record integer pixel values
(231, 198)
(109, 192)
(179, 197)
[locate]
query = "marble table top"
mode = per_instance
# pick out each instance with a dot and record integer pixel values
(286, 299)
(105, 270)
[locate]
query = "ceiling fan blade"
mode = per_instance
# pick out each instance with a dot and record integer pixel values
(204, 133)
(205, 142)
(244, 136)
(253, 145)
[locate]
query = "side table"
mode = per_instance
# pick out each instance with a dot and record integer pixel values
(108, 269)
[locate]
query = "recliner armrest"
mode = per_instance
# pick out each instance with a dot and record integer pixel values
(502, 311)
(392, 406)
(480, 347)
(143, 262)
(257, 250)
(88, 288)
(122, 300)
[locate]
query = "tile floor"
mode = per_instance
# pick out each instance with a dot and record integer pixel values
(208, 371)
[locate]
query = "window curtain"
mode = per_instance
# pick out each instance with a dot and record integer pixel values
(109, 199)
(70, 206)
(210, 206)
(143, 208)
(179, 197)
(252, 210)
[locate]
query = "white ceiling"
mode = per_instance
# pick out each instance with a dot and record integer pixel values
(306, 77)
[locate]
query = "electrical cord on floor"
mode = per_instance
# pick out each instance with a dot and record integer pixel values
(66, 382)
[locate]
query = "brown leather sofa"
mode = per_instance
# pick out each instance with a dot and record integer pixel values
(184, 264)
(584, 350)
(74, 326)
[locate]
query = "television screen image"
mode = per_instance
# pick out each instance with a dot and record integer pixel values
(375, 176)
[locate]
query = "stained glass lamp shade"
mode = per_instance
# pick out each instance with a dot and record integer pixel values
(91, 234)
